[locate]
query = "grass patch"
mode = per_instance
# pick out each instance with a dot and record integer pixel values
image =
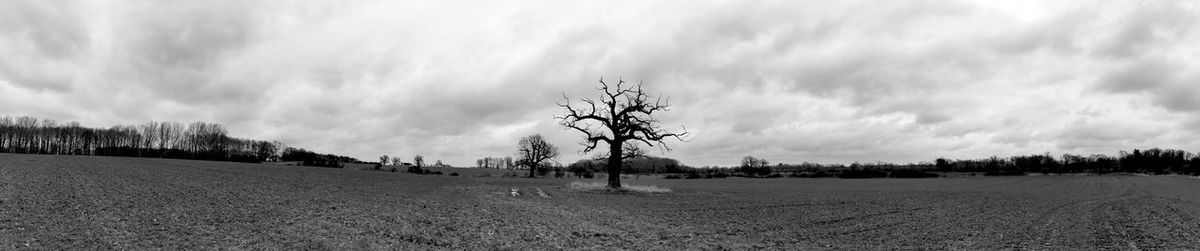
(626, 188)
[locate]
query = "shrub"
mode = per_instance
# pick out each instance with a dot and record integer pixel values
(909, 173)
(720, 175)
(694, 175)
(434, 172)
(1004, 173)
(764, 172)
(817, 174)
(394, 169)
(453, 174)
(672, 177)
(415, 169)
(774, 175)
(861, 174)
(589, 175)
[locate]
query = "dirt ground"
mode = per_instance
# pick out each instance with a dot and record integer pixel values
(77, 202)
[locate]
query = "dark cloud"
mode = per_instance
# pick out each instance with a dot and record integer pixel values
(1141, 75)
(178, 49)
(53, 31)
(43, 41)
(1088, 135)
(1146, 27)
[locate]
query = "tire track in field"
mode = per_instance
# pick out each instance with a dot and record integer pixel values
(100, 198)
(1143, 220)
(1050, 227)
(1126, 215)
(1159, 220)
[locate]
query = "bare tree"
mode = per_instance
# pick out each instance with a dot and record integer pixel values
(624, 114)
(383, 160)
(533, 150)
(419, 160)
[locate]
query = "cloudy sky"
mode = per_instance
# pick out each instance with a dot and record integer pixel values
(788, 81)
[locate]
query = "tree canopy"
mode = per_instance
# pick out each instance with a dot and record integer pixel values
(624, 113)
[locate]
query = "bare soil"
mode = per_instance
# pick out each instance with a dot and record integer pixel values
(81, 202)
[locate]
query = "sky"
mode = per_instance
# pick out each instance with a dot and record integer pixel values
(786, 81)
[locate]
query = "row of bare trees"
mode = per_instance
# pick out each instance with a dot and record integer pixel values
(1152, 161)
(197, 140)
(495, 163)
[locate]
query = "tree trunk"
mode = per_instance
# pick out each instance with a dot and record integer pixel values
(614, 165)
(531, 169)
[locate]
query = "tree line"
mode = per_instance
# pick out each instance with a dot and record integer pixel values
(197, 140)
(495, 163)
(309, 158)
(1148, 161)
(644, 164)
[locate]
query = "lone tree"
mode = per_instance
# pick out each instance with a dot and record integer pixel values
(624, 115)
(534, 150)
(419, 160)
(755, 166)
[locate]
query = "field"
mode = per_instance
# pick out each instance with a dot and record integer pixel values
(69, 202)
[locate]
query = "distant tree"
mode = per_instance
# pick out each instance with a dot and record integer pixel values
(396, 161)
(383, 160)
(419, 160)
(508, 163)
(265, 151)
(149, 137)
(438, 163)
(942, 164)
(624, 115)
(533, 151)
(416, 169)
(755, 166)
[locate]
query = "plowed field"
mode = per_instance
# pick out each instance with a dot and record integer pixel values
(69, 202)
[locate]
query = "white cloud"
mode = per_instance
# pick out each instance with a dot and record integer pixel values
(789, 81)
